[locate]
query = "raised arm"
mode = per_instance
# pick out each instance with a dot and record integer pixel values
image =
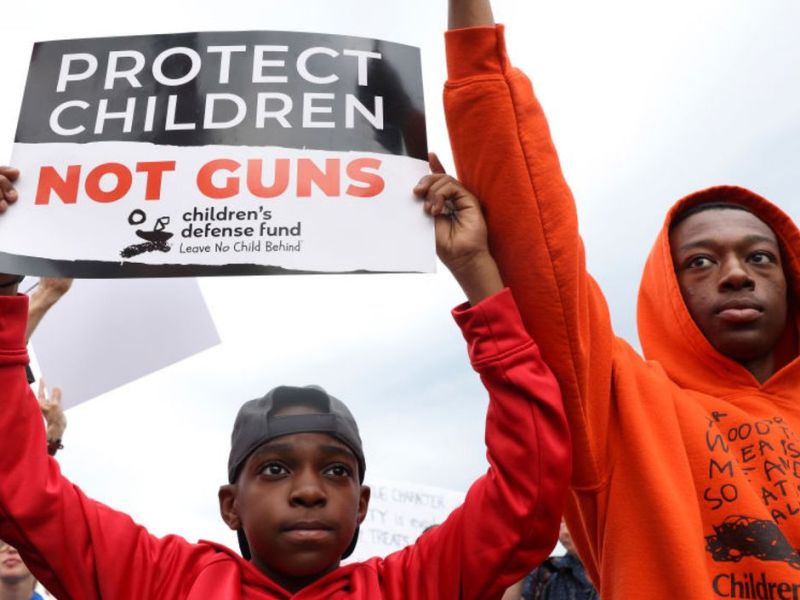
(504, 154)
(43, 298)
(509, 521)
(78, 548)
(469, 13)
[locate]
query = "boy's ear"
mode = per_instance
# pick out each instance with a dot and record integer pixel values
(228, 506)
(363, 503)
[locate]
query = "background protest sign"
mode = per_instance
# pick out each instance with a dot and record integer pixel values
(227, 152)
(400, 511)
(398, 514)
(104, 334)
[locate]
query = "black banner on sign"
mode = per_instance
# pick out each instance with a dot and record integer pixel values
(284, 89)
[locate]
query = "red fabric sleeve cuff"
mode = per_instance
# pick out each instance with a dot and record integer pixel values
(492, 328)
(13, 322)
(485, 47)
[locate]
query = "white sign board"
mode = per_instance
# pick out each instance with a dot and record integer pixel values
(104, 334)
(219, 152)
(399, 513)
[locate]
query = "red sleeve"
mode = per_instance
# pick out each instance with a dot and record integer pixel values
(510, 518)
(504, 153)
(79, 549)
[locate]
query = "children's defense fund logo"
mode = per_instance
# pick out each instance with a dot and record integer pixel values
(156, 239)
(739, 536)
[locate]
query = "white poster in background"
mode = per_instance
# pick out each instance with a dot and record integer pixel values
(104, 334)
(399, 513)
(219, 152)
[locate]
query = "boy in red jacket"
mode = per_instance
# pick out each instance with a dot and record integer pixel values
(295, 492)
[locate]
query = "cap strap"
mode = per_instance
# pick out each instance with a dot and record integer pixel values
(305, 423)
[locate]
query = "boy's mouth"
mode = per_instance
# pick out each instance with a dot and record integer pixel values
(307, 530)
(739, 311)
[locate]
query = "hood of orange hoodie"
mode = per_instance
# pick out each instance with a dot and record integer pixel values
(668, 333)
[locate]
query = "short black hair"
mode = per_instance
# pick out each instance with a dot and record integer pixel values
(698, 208)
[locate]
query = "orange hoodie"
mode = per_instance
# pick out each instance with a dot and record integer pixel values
(686, 471)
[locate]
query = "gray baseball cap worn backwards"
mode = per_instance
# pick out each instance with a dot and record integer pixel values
(260, 421)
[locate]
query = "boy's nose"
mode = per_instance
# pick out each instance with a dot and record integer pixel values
(735, 276)
(307, 492)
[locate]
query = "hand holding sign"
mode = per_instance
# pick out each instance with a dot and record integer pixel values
(53, 413)
(461, 238)
(8, 195)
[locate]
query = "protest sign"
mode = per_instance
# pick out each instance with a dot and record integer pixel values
(219, 152)
(104, 334)
(398, 514)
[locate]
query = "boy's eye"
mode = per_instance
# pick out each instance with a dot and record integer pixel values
(762, 257)
(338, 470)
(699, 262)
(273, 469)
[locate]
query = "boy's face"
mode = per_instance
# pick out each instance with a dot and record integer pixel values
(729, 270)
(565, 537)
(299, 501)
(12, 569)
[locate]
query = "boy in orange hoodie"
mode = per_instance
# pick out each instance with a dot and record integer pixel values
(686, 479)
(295, 491)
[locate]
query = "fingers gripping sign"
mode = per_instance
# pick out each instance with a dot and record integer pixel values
(8, 195)
(460, 228)
(461, 236)
(459, 224)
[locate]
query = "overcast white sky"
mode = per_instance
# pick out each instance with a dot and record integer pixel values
(647, 102)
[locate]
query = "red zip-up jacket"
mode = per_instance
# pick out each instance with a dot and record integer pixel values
(81, 549)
